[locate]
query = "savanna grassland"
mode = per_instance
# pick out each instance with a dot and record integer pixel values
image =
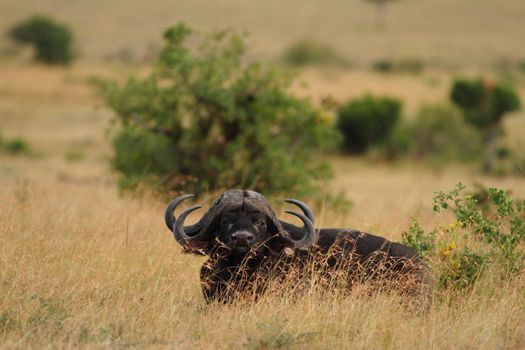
(83, 267)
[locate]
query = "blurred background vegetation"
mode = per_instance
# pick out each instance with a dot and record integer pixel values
(395, 81)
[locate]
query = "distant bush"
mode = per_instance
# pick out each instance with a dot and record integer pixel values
(14, 146)
(488, 232)
(484, 104)
(439, 132)
(51, 40)
(308, 52)
(407, 65)
(205, 120)
(367, 121)
(383, 66)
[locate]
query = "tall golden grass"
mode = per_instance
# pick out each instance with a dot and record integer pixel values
(81, 267)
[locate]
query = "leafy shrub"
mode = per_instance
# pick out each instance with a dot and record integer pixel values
(14, 146)
(308, 52)
(484, 232)
(460, 268)
(51, 40)
(367, 121)
(482, 102)
(417, 239)
(483, 105)
(439, 132)
(205, 120)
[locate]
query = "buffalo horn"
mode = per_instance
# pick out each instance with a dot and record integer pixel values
(178, 228)
(304, 207)
(168, 214)
(309, 232)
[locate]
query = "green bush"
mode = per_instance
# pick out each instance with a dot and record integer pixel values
(439, 132)
(367, 121)
(51, 40)
(485, 231)
(308, 52)
(14, 146)
(205, 120)
(483, 105)
(482, 102)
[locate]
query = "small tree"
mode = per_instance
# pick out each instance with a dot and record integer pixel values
(366, 121)
(51, 40)
(204, 120)
(483, 105)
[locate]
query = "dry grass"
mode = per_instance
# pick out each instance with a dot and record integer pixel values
(81, 267)
(446, 31)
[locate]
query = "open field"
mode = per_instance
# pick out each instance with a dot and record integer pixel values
(84, 267)
(447, 32)
(81, 267)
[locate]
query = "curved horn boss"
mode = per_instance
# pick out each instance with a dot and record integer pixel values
(307, 234)
(184, 235)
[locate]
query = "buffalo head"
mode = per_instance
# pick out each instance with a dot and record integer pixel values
(240, 221)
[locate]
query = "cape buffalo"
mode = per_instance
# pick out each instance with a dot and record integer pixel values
(248, 246)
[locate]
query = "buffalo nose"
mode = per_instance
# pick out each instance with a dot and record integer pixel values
(242, 238)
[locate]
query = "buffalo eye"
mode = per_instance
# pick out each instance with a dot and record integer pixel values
(261, 224)
(225, 221)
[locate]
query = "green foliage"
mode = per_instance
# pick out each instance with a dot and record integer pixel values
(417, 239)
(438, 132)
(14, 146)
(51, 40)
(461, 268)
(205, 120)
(491, 225)
(367, 121)
(308, 52)
(483, 103)
(503, 227)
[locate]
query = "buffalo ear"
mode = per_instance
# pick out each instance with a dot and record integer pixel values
(281, 244)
